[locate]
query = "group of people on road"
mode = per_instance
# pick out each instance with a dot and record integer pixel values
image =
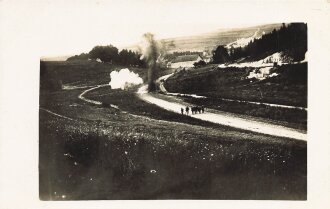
(193, 110)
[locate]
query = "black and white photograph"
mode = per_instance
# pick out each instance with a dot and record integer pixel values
(221, 115)
(171, 100)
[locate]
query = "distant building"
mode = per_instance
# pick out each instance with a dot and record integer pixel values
(190, 64)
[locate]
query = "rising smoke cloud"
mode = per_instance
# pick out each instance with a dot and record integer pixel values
(124, 79)
(151, 52)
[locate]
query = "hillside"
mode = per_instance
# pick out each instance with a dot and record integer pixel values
(55, 75)
(225, 89)
(98, 152)
(206, 42)
(289, 38)
(209, 41)
(100, 143)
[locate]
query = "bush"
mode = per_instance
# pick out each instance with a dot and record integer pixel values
(201, 63)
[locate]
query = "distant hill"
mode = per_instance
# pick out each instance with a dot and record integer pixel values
(55, 58)
(209, 41)
(291, 39)
(203, 42)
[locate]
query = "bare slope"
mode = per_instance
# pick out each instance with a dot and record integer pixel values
(209, 41)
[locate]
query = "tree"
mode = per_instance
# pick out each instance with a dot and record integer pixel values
(82, 56)
(110, 54)
(201, 63)
(104, 53)
(128, 57)
(220, 55)
(290, 39)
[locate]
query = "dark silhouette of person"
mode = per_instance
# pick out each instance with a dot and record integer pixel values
(182, 110)
(187, 110)
(194, 110)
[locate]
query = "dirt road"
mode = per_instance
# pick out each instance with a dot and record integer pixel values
(215, 116)
(226, 119)
(163, 89)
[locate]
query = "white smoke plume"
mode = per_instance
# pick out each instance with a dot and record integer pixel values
(153, 52)
(124, 79)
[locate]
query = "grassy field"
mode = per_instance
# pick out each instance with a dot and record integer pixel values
(289, 88)
(185, 58)
(141, 152)
(130, 102)
(82, 73)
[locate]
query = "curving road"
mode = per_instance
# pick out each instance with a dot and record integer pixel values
(213, 116)
(226, 119)
(162, 89)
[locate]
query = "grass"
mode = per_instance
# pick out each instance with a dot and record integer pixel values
(129, 101)
(105, 153)
(294, 118)
(289, 88)
(185, 58)
(84, 72)
(132, 159)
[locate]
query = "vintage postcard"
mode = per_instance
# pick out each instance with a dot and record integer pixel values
(171, 101)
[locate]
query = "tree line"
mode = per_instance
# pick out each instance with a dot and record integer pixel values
(290, 39)
(111, 54)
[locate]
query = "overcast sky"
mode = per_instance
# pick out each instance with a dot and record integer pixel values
(75, 26)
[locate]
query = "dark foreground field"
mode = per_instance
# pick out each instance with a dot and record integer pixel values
(138, 152)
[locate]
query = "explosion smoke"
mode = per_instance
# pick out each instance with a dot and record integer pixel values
(151, 53)
(124, 79)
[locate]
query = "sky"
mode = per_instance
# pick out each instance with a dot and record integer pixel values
(76, 26)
